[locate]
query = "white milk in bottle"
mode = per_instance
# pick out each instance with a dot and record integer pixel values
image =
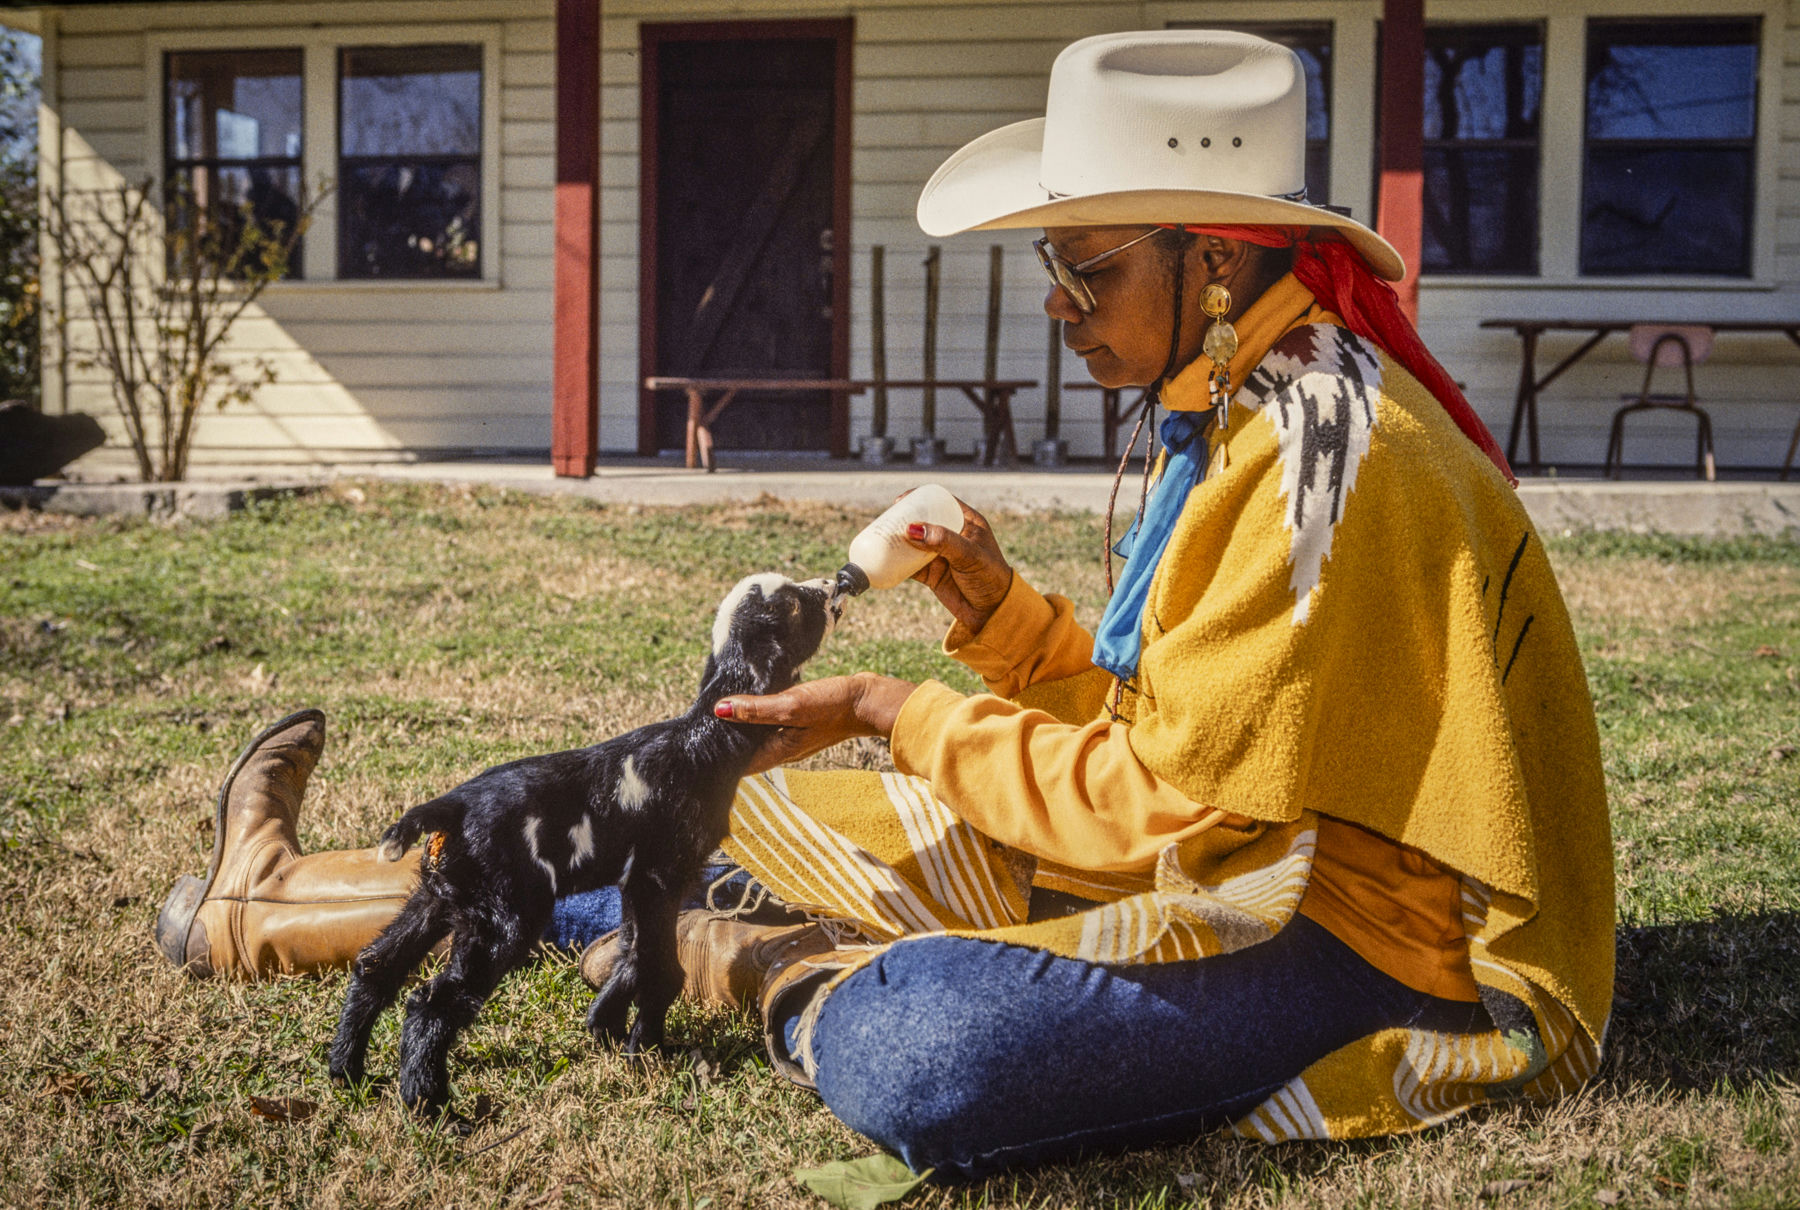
(881, 557)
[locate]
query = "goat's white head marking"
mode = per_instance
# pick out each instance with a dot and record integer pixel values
(768, 582)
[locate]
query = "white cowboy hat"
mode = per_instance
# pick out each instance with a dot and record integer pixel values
(1166, 126)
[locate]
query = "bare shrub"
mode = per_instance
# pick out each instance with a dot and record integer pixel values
(159, 294)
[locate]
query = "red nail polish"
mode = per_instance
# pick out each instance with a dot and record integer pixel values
(722, 709)
(916, 531)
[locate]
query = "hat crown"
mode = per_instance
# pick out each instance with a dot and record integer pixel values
(1175, 109)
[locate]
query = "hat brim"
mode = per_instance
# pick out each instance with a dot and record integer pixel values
(991, 184)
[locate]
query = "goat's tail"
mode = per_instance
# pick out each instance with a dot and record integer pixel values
(441, 814)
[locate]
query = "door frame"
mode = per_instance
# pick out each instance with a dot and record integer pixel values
(651, 36)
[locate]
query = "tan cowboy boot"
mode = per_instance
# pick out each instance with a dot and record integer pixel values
(264, 909)
(725, 959)
(791, 995)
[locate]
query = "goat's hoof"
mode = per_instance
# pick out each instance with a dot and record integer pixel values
(607, 1025)
(424, 1098)
(642, 1042)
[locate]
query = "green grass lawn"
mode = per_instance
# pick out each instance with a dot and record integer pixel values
(444, 630)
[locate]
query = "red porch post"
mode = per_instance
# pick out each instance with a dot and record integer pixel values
(1401, 204)
(575, 412)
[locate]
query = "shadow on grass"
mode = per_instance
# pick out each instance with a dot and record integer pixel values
(1705, 1002)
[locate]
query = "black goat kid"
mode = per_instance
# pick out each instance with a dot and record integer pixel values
(642, 810)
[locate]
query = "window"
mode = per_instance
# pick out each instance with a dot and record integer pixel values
(409, 162)
(1483, 92)
(1669, 171)
(1311, 40)
(232, 138)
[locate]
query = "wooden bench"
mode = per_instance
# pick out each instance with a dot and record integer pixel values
(992, 397)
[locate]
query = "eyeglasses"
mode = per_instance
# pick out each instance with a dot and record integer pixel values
(1067, 275)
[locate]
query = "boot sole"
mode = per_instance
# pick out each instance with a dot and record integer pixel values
(176, 920)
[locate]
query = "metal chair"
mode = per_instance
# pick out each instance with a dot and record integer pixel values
(1684, 345)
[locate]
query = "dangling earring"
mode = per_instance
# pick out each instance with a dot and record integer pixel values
(1221, 345)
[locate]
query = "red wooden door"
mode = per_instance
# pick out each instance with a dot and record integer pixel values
(746, 202)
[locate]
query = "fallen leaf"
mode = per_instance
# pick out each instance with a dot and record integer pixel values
(1783, 751)
(1609, 1197)
(862, 1184)
(282, 1109)
(67, 1084)
(1494, 1189)
(1767, 652)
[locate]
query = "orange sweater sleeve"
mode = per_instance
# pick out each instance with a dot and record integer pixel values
(1032, 650)
(1071, 793)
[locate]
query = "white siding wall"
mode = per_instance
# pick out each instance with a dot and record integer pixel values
(434, 366)
(363, 366)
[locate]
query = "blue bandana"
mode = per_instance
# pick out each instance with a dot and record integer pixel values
(1119, 638)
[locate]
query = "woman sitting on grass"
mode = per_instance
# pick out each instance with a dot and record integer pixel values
(1309, 838)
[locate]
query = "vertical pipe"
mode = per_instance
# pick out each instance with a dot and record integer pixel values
(878, 339)
(928, 404)
(990, 363)
(1053, 383)
(53, 351)
(1402, 184)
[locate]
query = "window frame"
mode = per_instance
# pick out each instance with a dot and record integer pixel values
(218, 163)
(319, 48)
(483, 248)
(1747, 145)
(1562, 143)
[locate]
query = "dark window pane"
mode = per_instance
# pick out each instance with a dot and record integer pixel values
(1483, 82)
(1668, 183)
(1666, 210)
(232, 139)
(1483, 95)
(234, 105)
(1672, 80)
(215, 203)
(418, 219)
(409, 175)
(411, 100)
(1481, 207)
(1311, 41)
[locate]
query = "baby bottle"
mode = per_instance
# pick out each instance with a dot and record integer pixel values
(881, 557)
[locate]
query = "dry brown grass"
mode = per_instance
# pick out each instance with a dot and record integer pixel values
(442, 631)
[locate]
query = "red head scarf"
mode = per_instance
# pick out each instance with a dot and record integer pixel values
(1343, 282)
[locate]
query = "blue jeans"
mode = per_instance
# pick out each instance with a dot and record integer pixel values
(971, 1056)
(579, 920)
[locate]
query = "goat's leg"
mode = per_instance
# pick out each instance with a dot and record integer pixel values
(657, 961)
(491, 942)
(606, 1015)
(377, 975)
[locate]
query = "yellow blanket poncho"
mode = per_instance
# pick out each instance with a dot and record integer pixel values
(1355, 618)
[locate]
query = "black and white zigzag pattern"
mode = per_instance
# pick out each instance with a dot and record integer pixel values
(1319, 387)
